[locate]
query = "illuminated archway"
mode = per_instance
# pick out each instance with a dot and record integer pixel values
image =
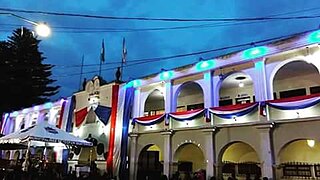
(189, 96)
(7, 155)
(295, 78)
(189, 158)
(16, 155)
(149, 162)
(240, 159)
(87, 155)
(236, 88)
(154, 103)
(302, 150)
(297, 158)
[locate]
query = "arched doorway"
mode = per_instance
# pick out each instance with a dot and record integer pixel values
(240, 159)
(87, 155)
(154, 104)
(298, 158)
(150, 164)
(296, 78)
(236, 88)
(7, 155)
(188, 159)
(189, 97)
(16, 155)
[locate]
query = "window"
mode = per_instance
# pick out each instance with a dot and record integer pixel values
(293, 93)
(225, 102)
(314, 89)
(195, 106)
(243, 100)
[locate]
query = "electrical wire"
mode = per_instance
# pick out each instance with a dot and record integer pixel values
(153, 19)
(157, 59)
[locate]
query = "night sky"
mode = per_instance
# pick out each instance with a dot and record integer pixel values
(74, 37)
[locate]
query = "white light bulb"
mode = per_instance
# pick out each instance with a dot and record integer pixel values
(43, 30)
(311, 143)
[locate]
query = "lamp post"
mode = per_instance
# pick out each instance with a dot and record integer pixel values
(42, 29)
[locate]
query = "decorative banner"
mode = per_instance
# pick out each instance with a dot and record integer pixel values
(299, 102)
(103, 113)
(80, 116)
(114, 110)
(72, 106)
(228, 112)
(186, 115)
(129, 98)
(148, 120)
(4, 122)
(61, 114)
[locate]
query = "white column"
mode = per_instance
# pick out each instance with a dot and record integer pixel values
(259, 80)
(209, 152)
(167, 156)
(215, 90)
(208, 91)
(168, 103)
(168, 106)
(266, 151)
(137, 103)
(133, 156)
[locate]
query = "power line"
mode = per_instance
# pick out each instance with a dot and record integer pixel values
(157, 59)
(154, 19)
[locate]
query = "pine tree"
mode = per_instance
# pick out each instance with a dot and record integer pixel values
(25, 78)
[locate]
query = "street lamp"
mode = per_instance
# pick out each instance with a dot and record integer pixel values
(42, 29)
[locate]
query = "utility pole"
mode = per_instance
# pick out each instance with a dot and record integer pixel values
(81, 72)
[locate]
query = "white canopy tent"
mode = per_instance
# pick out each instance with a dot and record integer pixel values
(42, 132)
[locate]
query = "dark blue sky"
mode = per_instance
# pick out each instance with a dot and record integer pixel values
(65, 47)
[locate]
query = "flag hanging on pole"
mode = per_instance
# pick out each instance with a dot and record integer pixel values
(124, 51)
(102, 54)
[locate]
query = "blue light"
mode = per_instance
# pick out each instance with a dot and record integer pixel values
(48, 105)
(314, 37)
(205, 65)
(35, 108)
(166, 75)
(259, 65)
(255, 52)
(134, 83)
(14, 114)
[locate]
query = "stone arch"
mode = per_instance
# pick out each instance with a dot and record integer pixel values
(238, 158)
(87, 154)
(16, 155)
(149, 165)
(282, 64)
(154, 102)
(298, 150)
(242, 85)
(186, 162)
(7, 155)
(187, 88)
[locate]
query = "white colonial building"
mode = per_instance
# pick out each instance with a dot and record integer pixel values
(254, 112)
(251, 112)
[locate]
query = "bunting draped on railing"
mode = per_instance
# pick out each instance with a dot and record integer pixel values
(103, 113)
(228, 112)
(186, 115)
(299, 102)
(149, 120)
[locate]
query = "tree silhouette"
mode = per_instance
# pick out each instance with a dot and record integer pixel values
(25, 80)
